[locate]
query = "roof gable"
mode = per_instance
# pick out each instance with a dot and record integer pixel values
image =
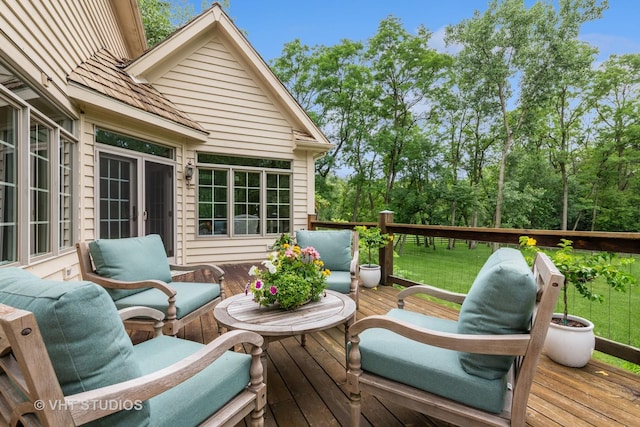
(215, 23)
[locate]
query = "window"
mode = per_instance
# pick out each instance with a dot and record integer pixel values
(36, 179)
(241, 196)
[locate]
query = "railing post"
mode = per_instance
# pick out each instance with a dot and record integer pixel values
(386, 253)
(310, 218)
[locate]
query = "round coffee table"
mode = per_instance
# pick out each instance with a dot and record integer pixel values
(242, 312)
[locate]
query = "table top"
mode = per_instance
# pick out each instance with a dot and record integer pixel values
(242, 312)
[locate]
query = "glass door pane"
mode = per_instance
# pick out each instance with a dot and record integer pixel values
(117, 209)
(159, 203)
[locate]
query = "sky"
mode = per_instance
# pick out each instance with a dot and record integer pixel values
(269, 24)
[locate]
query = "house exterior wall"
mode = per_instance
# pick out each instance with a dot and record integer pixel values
(42, 42)
(47, 39)
(214, 83)
(217, 88)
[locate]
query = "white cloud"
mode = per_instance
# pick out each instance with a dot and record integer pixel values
(437, 42)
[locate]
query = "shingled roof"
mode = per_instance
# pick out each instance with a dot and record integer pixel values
(104, 73)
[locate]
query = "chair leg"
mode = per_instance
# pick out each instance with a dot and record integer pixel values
(354, 405)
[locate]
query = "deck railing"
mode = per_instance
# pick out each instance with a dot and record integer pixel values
(622, 243)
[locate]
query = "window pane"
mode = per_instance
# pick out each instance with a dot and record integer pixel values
(39, 155)
(278, 203)
(8, 183)
(115, 207)
(65, 194)
(212, 202)
(123, 141)
(216, 159)
(246, 203)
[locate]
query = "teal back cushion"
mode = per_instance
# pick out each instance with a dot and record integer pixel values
(85, 338)
(334, 246)
(131, 259)
(500, 301)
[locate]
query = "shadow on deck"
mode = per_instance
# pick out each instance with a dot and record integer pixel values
(307, 384)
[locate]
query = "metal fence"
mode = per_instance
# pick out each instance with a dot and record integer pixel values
(472, 246)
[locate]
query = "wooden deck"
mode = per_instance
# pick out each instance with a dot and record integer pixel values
(306, 384)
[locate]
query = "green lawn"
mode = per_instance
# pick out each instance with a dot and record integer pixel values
(617, 318)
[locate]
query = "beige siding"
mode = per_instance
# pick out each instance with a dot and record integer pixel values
(218, 90)
(57, 35)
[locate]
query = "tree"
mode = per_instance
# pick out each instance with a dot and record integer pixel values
(161, 17)
(404, 70)
(517, 52)
(615, 156)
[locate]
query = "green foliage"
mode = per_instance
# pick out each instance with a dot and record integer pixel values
(161, 17)
(580, 269)
(291, 276)
(371, 239)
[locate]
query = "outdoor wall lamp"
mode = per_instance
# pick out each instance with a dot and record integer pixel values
(188, 172)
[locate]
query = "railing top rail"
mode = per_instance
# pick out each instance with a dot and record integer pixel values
(623, 242)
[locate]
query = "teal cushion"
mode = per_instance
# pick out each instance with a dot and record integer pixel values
(500, 301)
(85, 338)
(189, 297)
(131, 259)
(339, 281)
(191, 402)
(426, 367)
(334, 246)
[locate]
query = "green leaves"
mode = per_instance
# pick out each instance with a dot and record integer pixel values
(581, 269)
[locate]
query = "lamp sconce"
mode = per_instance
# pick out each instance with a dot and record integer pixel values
(188, 172)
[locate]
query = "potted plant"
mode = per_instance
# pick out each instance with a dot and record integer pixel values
(290, 278)
(371, 239)
(570, 340)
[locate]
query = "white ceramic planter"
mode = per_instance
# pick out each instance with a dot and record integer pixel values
(370, 275)
(570, 346)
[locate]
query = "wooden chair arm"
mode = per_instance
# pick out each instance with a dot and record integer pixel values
(153, 384)
(500, 345)
(122, 284)
(217, 271)
(140, 311)
(353, 267)
(454, 297)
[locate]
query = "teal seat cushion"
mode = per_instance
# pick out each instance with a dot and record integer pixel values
(194, 400)
(189, 297)
(501, 301)
(339, 281)
(334, 246)
(432, 369)
(85, 338)
(131, 259)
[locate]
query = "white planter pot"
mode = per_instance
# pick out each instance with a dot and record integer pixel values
(570, 346)
(370, 275)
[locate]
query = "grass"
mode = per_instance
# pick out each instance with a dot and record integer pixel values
(617, 318)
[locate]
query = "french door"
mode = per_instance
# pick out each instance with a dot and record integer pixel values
(136, 198)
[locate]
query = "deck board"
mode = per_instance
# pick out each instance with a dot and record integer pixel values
(307, 384)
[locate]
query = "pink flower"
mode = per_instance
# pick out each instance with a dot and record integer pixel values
(273, 290)
(258, 284)
(311, 252)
